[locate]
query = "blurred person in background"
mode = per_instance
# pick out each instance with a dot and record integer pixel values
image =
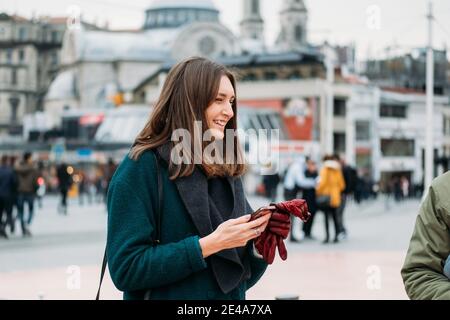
(64, 184)
(27, 175)
(109, 173)
(82, 188)
(291, 189)
(14, 204)
(330, 186)
(397, 189)
(386, 188)
(271, 181)
(7, 186)
(404, 185)
(350, 178)
(308, 185)
(41, 184)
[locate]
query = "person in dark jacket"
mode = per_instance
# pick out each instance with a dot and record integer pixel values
(350, 179)
(7, 185)
(271, 180)
(309, 194)
(27, 175)
(14, 196)
(206, 249)
(111, 167)
(64, 184)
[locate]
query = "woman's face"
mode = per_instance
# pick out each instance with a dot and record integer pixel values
(221, 111)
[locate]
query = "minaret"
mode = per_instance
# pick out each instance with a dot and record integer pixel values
(252, 25)
(293, 20)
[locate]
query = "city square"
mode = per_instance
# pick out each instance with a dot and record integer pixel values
(157, 127)
(365, 266)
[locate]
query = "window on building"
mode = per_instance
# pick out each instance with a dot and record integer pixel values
(142, 97)
(249, 77)
(13, 76)
(191, 15)
(339, 108)
(54, 59)
(392, 110)
(364, 161)
(9, 53)
(298, 33)
(171, 18)
(207, 45)
(22, 33)
(54, 36)
(21, 55)
(255, 6)
(339, 142)
(446, 126)
(182, 16)
(362, 130)
(270, 75)
(160, 19)
(397, 147)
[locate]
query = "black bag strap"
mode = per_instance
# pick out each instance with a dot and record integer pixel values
(158, 222)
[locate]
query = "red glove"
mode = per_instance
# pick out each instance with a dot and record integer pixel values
(270, 248)
(282, 251)
(296, 207)
(278, 228)
(267, 244)
(280, 224)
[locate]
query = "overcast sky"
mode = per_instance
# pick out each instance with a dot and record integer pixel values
(371, 24)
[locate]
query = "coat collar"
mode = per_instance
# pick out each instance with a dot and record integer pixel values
(193, 191)
(227, 265)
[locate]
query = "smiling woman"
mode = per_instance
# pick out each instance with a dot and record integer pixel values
(197, 93)
(182, 230)
(221, 110)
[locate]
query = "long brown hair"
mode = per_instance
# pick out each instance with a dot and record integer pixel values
(190, 87)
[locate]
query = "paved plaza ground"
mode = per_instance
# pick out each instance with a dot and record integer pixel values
(62, 260)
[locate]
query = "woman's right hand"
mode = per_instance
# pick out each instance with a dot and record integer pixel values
(233, 233)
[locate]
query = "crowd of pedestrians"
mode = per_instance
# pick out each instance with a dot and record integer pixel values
(328, 188)
(24, 182)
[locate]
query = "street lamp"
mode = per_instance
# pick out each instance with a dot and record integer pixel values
(329, 64)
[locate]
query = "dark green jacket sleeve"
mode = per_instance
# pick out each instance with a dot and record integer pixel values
(422, 271)
(135, 264)
(258, 267)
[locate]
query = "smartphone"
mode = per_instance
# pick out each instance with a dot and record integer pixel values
(258, 213)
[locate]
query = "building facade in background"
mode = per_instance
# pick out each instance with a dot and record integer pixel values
(99, 66)
(378, 115)
(29, 60)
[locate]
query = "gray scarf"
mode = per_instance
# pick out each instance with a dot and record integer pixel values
(230, 267)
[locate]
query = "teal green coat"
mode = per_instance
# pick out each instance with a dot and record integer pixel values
(174, 269)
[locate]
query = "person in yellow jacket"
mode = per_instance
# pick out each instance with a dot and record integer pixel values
(331, 185)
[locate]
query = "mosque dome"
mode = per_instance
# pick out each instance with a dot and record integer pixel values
(199, 4)
(175, 13)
